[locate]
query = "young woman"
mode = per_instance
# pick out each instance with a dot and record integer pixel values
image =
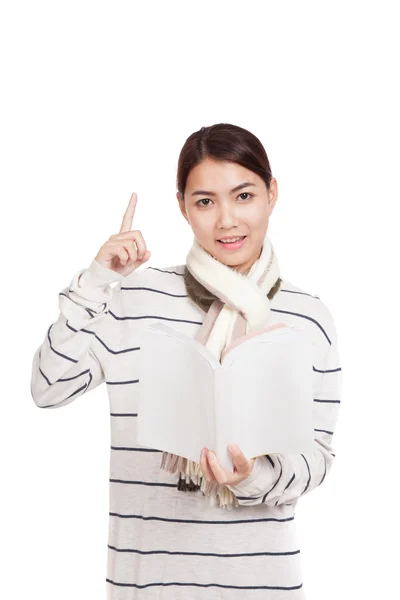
(170, 535)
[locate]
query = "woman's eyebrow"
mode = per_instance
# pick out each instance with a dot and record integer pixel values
(235, 189)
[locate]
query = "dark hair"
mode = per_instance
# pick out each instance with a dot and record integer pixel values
(223, 141)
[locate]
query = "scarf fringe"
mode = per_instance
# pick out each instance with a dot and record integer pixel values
(191, 479)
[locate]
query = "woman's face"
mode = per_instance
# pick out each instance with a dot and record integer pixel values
(224, 199)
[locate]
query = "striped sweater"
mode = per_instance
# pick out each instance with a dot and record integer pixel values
(163, 543)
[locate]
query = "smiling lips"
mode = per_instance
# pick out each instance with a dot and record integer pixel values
(232, 238)
(232, 245)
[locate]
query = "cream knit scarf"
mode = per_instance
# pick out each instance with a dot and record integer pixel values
(239, 305)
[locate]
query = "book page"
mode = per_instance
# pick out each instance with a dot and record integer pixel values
(167, 330)
(176, 395)
(272, 395)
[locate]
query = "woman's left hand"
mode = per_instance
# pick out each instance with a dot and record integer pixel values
(212, 470)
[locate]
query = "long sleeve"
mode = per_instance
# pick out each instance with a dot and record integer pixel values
(284, 478)
(65, 365)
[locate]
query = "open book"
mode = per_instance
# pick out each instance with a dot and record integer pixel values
(259, 396)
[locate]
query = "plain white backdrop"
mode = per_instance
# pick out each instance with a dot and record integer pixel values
(97, 100)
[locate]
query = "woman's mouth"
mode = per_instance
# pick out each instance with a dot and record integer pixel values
(232, 245)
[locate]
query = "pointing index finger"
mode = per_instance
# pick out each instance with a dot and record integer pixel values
(129, 214)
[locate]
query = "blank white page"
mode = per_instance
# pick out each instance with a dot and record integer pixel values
(175, 411)
(272, 395)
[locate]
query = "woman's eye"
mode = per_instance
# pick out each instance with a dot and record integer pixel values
(201, 200)
(242, 194)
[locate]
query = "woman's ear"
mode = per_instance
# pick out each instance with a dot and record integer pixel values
(273, 194)
(181, 203)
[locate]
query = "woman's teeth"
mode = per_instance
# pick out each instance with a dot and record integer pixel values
(231, 241)
(234, 243)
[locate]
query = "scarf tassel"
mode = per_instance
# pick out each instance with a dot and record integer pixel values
(191, 479)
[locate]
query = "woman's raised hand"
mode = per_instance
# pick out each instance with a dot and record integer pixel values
(125, 251)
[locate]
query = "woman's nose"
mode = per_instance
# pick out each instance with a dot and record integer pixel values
(227, 216)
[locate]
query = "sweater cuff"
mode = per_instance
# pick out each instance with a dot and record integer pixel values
(96, 275)
(260, 479)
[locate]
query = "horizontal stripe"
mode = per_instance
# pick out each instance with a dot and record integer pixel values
(327, 370)
(74, 376)
(297, 292)
(136, 551)
(186, 295)
(165, 271)
(77, 391)
(63, 356)
(123, 414)
(130, 318)
(155, 290)
(135, 449)
(202, 521)
(206, 585)
(324, 431)
(302, 316)
(319, 400)
(136, 380)
(150, 483)
(122, 382)
(83, 330)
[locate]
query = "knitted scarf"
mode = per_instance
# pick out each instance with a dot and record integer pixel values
(237, 304)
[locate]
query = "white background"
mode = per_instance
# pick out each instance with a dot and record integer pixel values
(97, 100)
